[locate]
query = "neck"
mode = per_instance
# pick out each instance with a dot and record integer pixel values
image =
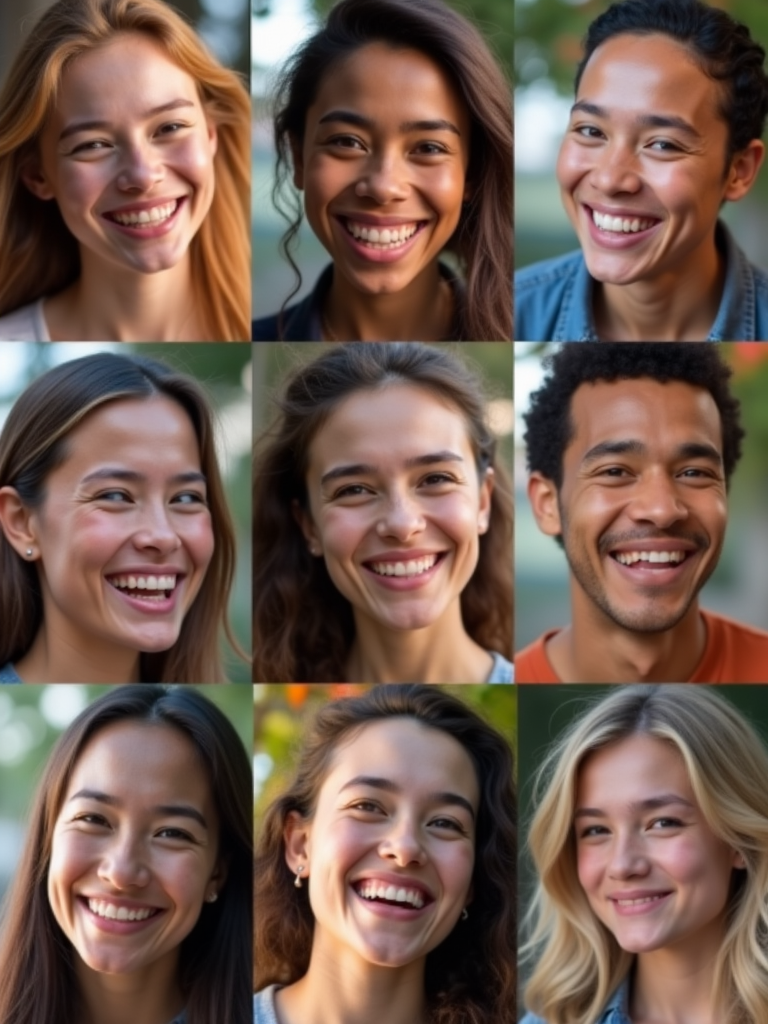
(680, 305)
(422, 311)
(342, 988)
(115, 304)
(57, 657)
(151, 995)
(595, 649)
(440, 653)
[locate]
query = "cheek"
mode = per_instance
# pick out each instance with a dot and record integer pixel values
(571, 165)
(343, 529)
(589, 868)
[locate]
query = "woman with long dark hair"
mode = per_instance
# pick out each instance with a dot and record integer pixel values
(395, 122)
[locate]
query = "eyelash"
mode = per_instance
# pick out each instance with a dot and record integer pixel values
(96, 145)
(190, 497)
(430, 480)
(371, 807)
(343, 142)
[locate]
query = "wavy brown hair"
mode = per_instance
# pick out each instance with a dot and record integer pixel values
(483, 239)
(38, 254)
(470, 976)
(303, 627)
(33, 443)
(37, 982)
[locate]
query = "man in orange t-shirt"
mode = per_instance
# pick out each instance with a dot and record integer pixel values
(631, 448)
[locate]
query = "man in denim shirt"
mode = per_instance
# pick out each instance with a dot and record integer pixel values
(671, 101)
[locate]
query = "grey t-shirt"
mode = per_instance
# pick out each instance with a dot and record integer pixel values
(25, 324)
(264, 1011)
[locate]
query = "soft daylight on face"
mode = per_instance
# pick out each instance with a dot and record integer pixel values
(653, 870)
(396, 505)
(390, 848)
(383, 166)
(643, 505)
(124, 533)
(642, 167)
(127, 154)
(135, 849)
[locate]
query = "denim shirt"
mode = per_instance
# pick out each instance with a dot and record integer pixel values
(8, 674)
(616, 1010)
(553, 299)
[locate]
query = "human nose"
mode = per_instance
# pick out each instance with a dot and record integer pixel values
(402, 518)
(402, 843)
(616, 169)
(123, 865)
(141, 168)
(656, 501)
(156, 530)
(382, 179)
(628, 857)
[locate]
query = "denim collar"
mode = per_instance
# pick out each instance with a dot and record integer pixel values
(617, 1008)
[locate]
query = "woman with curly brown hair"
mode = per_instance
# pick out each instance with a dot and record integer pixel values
(382, 524)
(385, 874)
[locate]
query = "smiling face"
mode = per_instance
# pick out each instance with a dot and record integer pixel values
(390, 849)
(127, 153)
(653, 870)
(135, 849)
(643, 167)
(642, 508)
(383, 166)
(124, 534)
(396, 506)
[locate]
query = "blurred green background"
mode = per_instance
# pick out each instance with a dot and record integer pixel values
(548, 36)
(31, 720)
(739, 585)
(225, 373)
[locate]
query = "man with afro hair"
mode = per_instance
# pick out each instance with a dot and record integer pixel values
(631, 448)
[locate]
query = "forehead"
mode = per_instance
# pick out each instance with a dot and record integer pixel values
(420, 760)
(632, 770)
(392, 85)
(660, 415)
(632, 75)
(387, 425)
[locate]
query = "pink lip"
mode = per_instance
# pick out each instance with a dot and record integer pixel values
(405, 582)
(114, 927)
(157, 606)
(146, 231)
(380, 255)
(659, 899)
(615, 240)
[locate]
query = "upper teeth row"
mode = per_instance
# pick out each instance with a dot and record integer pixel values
(376, 890)
(627, 224)
(153, 216)
(109, 910)
(384, 236)
(643, 899)
(412, 568)
(144, 582)
(630, 557)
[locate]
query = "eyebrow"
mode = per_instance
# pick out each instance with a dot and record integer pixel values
(130, 476)
(653, 803)
(391, 787)
(362, 468)
(643, 120)
(173, 810)
(85, 126)
(689, 450)
(438, 124)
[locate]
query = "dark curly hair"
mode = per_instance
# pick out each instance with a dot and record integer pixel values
(721, 46)
(470, 976)
(483, 238)
(549, 427)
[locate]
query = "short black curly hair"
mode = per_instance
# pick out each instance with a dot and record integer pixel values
(721, 46)
(548, 422)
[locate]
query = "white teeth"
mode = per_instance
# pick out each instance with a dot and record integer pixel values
(113, 913)
(154, 216)
(379, 891)
(630, 557)
(415, 567)
(644, 899)
(144, 583)
(624, 225)
(386, 238)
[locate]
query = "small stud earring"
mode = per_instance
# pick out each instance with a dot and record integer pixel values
(464, 914)
(29, 552)
(298, 882)
(213, 897)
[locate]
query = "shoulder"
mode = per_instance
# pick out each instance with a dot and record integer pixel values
(532, 664)
(548, 292)
(502, 671)
(743, 311)
(735, 653)
(24, 324)
(300, 322)
(264, 1006)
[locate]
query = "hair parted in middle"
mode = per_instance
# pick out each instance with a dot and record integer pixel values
(578, 961)
(470, 976)
(483, 238)
(548, 422)
(303, 626)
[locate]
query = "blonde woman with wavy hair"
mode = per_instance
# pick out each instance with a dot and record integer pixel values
(124, 181)
(650, 841)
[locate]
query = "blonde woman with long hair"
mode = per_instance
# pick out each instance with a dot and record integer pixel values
(124, 181)
(650, 841)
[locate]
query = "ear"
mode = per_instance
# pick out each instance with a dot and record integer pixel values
(743, 171)
(486, 494)
(17, 523)
(217, 880)
(542, 495)
(297, 154)
(296, 832)
(308, 528)
(213, 135)
(737, 861)
(34, 177)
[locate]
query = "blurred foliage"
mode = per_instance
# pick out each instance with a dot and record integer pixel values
(749, 360)
(283, 712)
